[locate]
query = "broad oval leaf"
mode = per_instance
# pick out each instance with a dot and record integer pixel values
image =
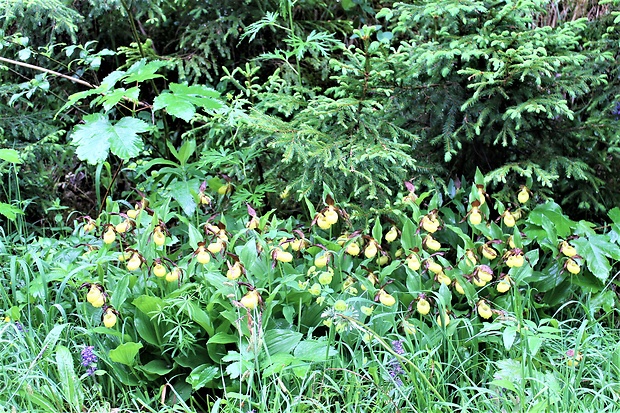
(145, 329)
(314, 350)
(281, 341)
(148, 304)
(9, 155)
(126, 353)
(203, 375)
(158, 367)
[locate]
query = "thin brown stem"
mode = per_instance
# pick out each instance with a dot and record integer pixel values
(107, 190)
(42, 69)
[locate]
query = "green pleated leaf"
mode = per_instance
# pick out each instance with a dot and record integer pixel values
(148, 304)
(281, 341)
(549, 216)
(409, 238)
(277, 363)
(223, 338)
(314, 350)
(145, 328)
(69, 383)
(158, 367)
(199, 316)
(126, 353)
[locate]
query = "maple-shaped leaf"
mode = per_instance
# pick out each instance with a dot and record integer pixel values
(181, 101)
(110, 80)
(596, 250)
(92, 147)
(109, 100)
(97, 136)
(103, 89)
(141, 70)
(175, 105)
(614, 232)
(124, 140)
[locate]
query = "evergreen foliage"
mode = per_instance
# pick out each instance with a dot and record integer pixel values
(225, 205)
(510, 96)
(344, 136)
(361, 95)
(447, 86)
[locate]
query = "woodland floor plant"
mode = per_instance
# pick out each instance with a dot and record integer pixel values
(435, 299)
(291, 207)
(369, 94)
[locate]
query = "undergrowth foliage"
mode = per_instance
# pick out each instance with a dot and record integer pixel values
(214, 306)
(300, 240)
(357, 94)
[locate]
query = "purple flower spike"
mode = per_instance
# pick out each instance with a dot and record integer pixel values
(89, 359)
(397, 346)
